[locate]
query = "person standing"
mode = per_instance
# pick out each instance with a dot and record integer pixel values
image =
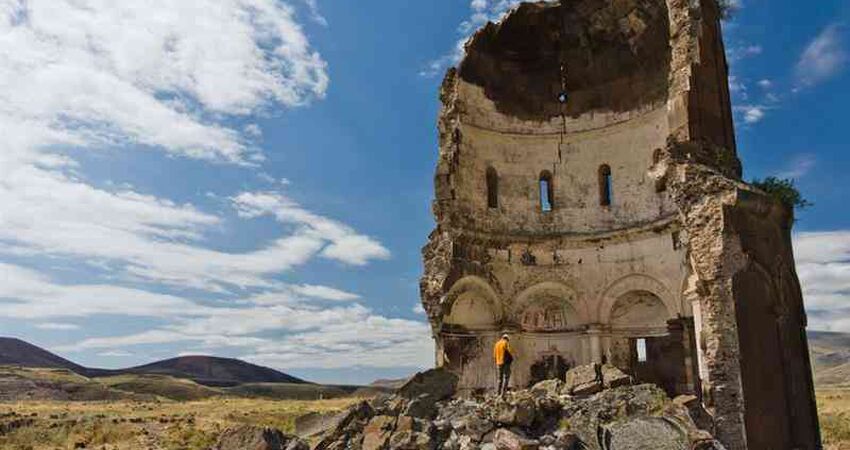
(503, 354)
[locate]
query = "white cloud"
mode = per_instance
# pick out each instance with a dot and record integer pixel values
(344, 244)
(823, 58)
(317, 16)
(151, 73)
(174, 77)
(734, 54)
(481, 12)
(799, 166)
(823, 264)
(765, 84)
(54, 326)
(418, 308)
(751, 113)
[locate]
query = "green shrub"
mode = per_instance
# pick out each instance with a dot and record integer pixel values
(784, 190)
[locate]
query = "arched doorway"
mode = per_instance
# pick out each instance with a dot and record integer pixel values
(471, 321)
(549, 324)
(643, 342)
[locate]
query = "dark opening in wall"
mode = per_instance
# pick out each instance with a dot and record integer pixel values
(606, 187)
(547, 192)
(492, 188)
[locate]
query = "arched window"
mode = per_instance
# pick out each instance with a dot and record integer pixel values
(547, 191)
(492, 188)
(606, 188)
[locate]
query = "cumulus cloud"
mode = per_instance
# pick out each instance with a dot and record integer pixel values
(172, 77)
(823, 264)
(824, 57)
(148, 74)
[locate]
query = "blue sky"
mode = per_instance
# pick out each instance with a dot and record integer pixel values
(252, 178)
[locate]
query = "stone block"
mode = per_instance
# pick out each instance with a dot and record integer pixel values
(510, 440)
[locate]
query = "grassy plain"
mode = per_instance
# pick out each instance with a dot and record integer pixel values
(166, 425)
(834, 412)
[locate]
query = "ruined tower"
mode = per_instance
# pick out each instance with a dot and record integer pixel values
(589, 200)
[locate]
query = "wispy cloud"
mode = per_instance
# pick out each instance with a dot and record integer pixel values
(824, 57)
(480, 12)
(54, 326)
(799, 166)
(751, 114)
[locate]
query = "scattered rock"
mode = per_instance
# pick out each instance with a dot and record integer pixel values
(423, 407)
(377, 433)
(518, 413)
(255, 438)
(510, 440)
(620, 418)
(550, 388)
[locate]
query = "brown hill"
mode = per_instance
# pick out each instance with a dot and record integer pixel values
(207, 370)
(830, 355)
(15, 352)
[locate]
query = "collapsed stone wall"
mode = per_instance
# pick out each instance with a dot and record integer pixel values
(639, 87)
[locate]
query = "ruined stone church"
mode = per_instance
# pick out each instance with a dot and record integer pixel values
(590, 201)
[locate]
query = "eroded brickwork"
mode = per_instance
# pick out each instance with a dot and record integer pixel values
(588, 201)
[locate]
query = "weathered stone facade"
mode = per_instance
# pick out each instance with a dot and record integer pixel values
(589, 200)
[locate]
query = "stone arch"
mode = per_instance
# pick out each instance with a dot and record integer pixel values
(637, 283)
(472, 304)
(639, 310)
(548, 306)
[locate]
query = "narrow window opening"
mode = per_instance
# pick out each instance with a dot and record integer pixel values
(492, 188)
(547, 199)
(640, 345)
(606, 185)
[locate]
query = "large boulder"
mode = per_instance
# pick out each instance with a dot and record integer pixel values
(583, 380)
(437, 383)
(549, 388)
(347, 427)
(612, 377)
(255, 438)
(520, 412)
(643, 433)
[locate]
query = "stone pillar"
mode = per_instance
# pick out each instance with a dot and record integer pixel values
(594, 333)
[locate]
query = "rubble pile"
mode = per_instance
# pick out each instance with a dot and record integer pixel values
(595, 407)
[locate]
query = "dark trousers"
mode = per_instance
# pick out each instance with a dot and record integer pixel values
(504, 377)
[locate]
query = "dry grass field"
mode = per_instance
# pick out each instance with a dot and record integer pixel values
(834, 411)
(167, 425)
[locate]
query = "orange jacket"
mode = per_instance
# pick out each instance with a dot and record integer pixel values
(502, 348)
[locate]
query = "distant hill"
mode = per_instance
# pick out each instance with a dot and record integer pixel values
(213, 371)
(205, 370)
(15, 352)
(830, 354)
